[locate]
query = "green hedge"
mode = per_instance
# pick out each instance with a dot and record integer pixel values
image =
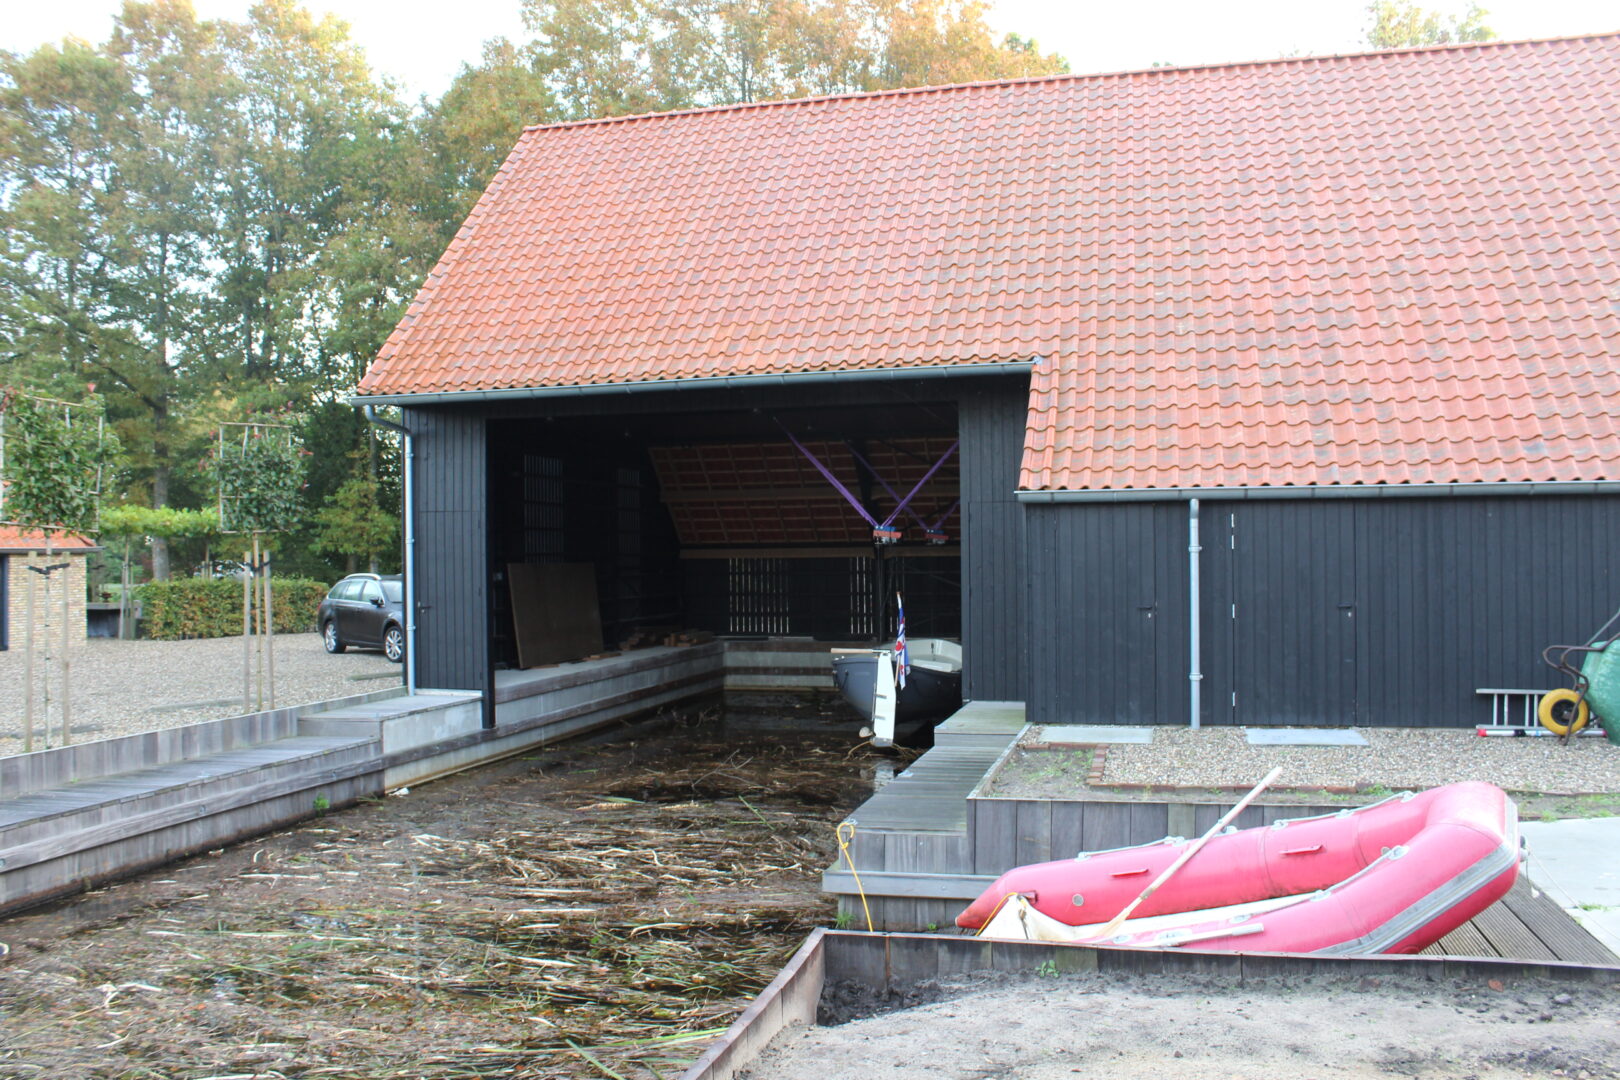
(212, 607)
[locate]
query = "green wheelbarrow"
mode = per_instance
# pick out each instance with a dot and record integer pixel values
(1594, 689)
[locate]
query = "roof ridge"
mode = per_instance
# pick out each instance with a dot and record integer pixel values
(1073, 77)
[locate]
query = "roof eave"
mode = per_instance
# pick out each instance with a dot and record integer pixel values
(791, 378)
(1322, 491)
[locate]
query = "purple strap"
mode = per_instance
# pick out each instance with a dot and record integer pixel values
(936, 526)
(831, 479)
(849, 496)
(927, 476)
(893, 494)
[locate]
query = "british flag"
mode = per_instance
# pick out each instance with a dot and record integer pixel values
(902, 658)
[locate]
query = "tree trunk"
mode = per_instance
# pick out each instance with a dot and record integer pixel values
(160, 544)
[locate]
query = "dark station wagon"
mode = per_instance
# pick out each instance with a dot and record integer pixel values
(365, 611)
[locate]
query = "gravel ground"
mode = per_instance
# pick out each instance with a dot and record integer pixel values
(1393, 758)
(127, 687)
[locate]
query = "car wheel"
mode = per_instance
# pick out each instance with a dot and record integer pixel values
(394, 644)
(329, 638)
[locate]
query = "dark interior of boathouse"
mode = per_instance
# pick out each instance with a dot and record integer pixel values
(707, 510)
(717, 522)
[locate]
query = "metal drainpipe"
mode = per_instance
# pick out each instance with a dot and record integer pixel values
(408, 450)
(1195, 677)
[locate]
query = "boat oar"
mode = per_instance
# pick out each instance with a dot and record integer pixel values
(1192, 849)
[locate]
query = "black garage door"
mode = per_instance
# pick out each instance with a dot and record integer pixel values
(1393, 612)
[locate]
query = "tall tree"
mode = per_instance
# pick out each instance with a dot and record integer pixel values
(301, 132)
(611, 57)
(205, 218)
(108, 218)
(471, 129)
(1396, 24)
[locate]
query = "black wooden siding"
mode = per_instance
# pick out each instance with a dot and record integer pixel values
(994, 581)
(1376, 612)
(450, 481)
(1107, 635)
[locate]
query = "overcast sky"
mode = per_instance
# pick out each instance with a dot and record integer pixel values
(422, 43)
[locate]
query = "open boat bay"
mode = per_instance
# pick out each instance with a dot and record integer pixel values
(581, 907)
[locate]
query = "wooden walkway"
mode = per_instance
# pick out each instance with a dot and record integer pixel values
(1524, 925)
(931, 795)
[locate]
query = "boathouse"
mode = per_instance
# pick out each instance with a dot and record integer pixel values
(1268, 393)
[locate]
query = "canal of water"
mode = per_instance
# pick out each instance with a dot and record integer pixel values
(583, 911)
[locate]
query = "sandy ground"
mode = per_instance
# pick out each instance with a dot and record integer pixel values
(127, 687)
(1190, 1028)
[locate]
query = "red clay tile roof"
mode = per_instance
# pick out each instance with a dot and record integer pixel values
(1383, 268)
(14, 539)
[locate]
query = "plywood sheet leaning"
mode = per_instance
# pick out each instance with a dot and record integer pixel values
(555, 615)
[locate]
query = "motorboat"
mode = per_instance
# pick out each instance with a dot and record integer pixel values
(867, 679)
(1392, 877)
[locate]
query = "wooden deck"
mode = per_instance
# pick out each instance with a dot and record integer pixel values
(1524, 925)
(931, 795)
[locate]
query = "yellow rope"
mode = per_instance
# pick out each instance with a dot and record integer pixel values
(843, 846)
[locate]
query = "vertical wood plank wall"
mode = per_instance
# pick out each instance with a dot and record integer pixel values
(1108, 613)
(1376, 612)
(450, 474)
(991, 421)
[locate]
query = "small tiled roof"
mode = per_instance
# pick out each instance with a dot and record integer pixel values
(14, 539)
(1383, 268)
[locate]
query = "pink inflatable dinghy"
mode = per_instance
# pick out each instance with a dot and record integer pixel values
(1393, 877)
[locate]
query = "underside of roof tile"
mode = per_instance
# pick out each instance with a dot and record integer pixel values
(1389, 268)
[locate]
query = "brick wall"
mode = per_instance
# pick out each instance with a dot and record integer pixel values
(47, 616)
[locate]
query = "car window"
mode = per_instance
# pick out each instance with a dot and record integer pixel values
(369, 592)
(394, 591)
(346, 590)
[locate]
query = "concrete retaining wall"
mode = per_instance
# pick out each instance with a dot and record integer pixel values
(77, 816)
(779, 664)
(21, 774)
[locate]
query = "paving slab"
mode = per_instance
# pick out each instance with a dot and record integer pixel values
(1096, 734)
(1577, 863)
(1305, 737)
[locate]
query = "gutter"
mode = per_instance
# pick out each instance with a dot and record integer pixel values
(1321, 491)
(798, 378)
(1195, 674)
(409, 564)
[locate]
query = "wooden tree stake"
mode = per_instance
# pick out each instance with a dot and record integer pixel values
(269, 630)
(28, 655)
(247, 632)
(258, 637)
(67, 644)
